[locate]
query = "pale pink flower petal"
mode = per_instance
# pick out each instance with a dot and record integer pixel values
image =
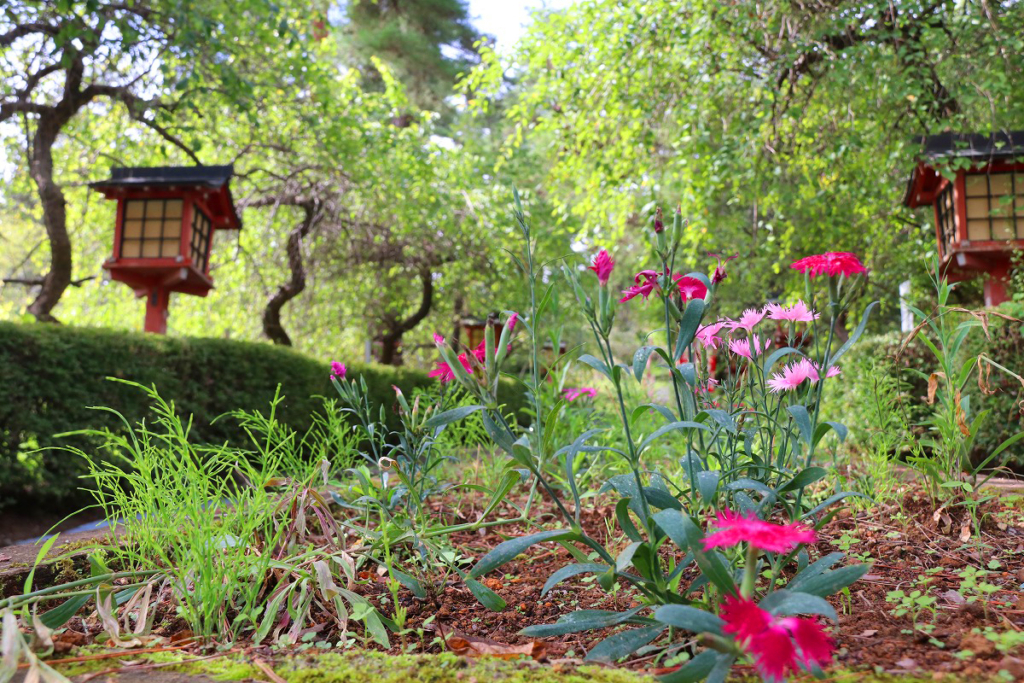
(793, 375)
(798, 313)
(749, 319)
(744, 347)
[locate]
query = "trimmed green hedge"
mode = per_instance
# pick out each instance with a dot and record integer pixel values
(51, 374)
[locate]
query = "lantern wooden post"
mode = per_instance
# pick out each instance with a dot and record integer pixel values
(158, 302)
(163, 235)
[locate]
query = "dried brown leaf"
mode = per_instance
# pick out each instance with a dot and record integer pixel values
(961, 417)
(470, 646)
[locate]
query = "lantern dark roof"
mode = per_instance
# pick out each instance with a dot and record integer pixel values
(975, 146)
(137, 176)
(924, 180)
(212, 179)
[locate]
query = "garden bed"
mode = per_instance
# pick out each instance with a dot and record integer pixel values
(971, 631)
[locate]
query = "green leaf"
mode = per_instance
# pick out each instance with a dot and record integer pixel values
(692, 316)
(697, 669)
(834, 498)
(804, 478)
(595, 363)
(803, 422)
(855, 336)
(58, 616)
(814, 569)
(625, 523)
(581, 620)
(507, 551)
(640, 361)
(625, 643)
(449, 416)
(485, 595)
(409, 582)
(828, 583)
(625, 559)
(675, 426)
(689, 619)
(822, 429)
(569, 571)
(707, 485)
(789, 603)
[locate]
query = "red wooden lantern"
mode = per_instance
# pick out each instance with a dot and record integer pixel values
(166, 216)
(476, 328)
(979, 210)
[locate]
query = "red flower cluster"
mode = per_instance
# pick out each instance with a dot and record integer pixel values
(830, 263)
(734, 528)
(778, 645)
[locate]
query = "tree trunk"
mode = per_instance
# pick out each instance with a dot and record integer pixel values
(391, 340)
(272, 326)
(54, 218)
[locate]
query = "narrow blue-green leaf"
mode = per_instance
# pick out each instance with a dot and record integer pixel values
(828, 583)
(689, 619)
(569, 571)
(675, 426)
(595, 363)
(803, 422)
(449, 416)
(697, 669)
(485, 595)
(640, 361)
(856, 334)
(581, 620)
(790, 603)
(507, 551)
(624, 643)
(804, 478)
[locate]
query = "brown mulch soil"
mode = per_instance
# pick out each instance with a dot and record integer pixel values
(903, 542)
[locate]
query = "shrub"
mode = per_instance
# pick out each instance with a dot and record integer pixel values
(1004, 345)
(50, 375)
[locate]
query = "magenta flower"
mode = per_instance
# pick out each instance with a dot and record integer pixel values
(659, 225)
(644, 289)
(744, 347)
(707, 335)
(833, 371)
(793, 375)
(511, 323)
(720, 273)
(573, 394)
(733, 528)
(690, 287)
(779, 645)
(438, 340)
(797, 313)
(749, 319)
(707, 387)
(444, 372)
(603, 266)
(338, 370)
(830, 263)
